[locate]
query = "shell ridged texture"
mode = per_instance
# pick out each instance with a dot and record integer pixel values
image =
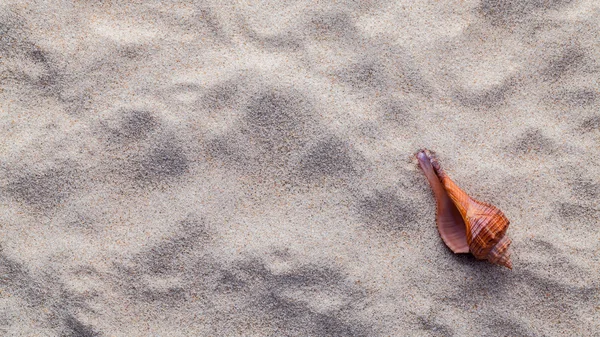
(481, 225)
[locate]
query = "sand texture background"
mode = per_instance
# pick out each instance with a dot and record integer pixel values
(223, 168)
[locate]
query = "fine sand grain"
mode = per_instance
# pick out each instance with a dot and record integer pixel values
(224, 168)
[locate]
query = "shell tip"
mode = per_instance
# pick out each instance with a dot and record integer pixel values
(423, 154)
(507, 263)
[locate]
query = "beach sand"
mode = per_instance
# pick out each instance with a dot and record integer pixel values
(223, 168)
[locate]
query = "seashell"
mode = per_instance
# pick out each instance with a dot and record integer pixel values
(465, 224)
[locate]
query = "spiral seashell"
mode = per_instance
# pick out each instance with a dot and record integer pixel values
(465, 224)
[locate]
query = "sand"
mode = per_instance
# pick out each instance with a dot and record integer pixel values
(222, 168)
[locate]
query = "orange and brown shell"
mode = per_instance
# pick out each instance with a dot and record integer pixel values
(465, 224)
